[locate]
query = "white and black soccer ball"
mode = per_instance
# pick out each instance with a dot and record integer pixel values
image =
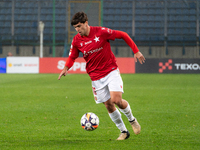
(89, 121)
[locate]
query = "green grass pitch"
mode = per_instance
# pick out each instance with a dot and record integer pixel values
(37, 111)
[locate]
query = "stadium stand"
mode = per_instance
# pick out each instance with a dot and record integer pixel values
(148, 22)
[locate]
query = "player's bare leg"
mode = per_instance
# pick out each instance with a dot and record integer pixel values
(115, 116)
(124, 107)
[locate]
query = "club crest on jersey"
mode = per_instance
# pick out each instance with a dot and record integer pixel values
(96, 39)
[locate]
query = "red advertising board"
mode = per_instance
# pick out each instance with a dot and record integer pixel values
(56, 64)
(126, 64)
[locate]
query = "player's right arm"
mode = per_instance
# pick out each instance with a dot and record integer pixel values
(73, 54)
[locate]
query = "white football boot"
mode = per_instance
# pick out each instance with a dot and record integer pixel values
(136, 126)
(124, 135)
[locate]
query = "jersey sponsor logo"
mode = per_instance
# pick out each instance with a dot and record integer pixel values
(88, 42)
(85, 54)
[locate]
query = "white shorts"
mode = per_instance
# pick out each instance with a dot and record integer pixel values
(102, 87)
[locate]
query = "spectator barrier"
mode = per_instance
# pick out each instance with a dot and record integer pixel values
(126, 65)
(2, 65)
(55, 65)
(169, 66)
(22, 65)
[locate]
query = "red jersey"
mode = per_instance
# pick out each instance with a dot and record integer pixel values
(96, 51)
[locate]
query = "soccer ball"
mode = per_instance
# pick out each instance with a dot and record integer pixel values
(89, 121)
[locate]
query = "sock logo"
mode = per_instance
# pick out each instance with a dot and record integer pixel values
(167, 65)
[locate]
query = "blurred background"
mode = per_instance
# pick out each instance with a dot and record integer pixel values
(160, 28)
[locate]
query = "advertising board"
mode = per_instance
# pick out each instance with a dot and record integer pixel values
(22, 64)
(169, 66)
(2, 65)
(55, 65)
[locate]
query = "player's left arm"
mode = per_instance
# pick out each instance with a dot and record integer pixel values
(137, 54)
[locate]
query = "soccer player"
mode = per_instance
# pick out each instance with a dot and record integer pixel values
(102, 68)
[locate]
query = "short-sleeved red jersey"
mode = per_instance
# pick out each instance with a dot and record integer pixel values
(96, 51)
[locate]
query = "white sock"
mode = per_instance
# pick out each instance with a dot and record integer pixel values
(127, 111)
(116, 118)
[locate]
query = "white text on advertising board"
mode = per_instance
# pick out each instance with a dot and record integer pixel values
(184, 66)
(77, 66)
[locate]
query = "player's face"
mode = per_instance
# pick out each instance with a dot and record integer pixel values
(82, 28)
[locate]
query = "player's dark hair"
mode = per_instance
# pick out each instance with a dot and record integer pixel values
(79, 17)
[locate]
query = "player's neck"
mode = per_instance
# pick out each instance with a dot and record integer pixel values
(88, 31)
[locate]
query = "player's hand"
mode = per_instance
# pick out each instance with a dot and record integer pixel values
(140, 57)
(63, 73)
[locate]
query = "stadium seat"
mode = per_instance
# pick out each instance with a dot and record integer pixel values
(159, 17)
(8, 17)
(192, 11)
(6, 37)
(179, 11)
(18, 31)
(192, 18)
(6, 30)
(48, 24)
(7, 24)
(148, 15)
(2, 24)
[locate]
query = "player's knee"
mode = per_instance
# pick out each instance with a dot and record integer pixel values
(116, 99)
(110, 106)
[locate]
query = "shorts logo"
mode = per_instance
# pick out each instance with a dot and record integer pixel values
(95, 98)
(167, 65)
(94, 91)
